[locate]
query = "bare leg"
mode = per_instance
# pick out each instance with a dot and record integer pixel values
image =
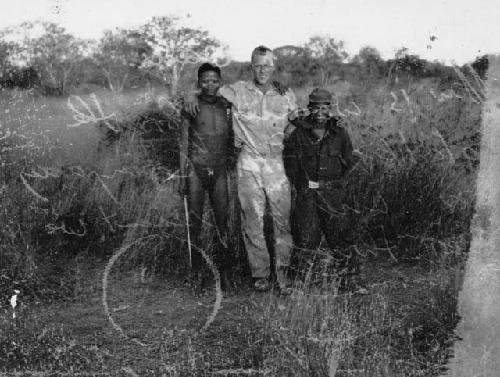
(219, 199)
(196, 199)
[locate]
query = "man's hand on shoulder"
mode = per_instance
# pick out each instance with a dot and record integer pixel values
(190, 104)
(280, 88)
(336, 121)
(300, 118)
(298, 113)
(224, 101)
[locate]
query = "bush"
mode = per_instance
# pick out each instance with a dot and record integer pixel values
(410, 195)
(54, 215)
(412, 186)
(321, 332)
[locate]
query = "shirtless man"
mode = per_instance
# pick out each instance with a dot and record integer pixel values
(206, 147)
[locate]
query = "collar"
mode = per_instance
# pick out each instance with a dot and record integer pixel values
(314, 138)
(308, 122)
(251, 86)
(331, 128)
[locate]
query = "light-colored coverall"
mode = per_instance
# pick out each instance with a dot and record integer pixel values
(259, 122)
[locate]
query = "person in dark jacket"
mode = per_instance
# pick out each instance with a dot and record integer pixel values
(317, 156)
(206, 150)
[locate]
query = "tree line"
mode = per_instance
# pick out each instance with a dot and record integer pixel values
(43, 55)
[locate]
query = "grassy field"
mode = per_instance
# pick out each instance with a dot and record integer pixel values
(401, 328)
(85, 177)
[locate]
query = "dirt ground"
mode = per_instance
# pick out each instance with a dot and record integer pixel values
(162, 318)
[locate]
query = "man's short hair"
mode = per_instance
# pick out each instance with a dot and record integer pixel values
(206, 67)
(260, 50)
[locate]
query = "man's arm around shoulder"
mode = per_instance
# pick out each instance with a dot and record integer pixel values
(231, 92)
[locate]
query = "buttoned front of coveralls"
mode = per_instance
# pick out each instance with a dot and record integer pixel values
(324, 162)
(259, 122)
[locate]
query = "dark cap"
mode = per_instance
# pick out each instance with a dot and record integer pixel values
(320, 95)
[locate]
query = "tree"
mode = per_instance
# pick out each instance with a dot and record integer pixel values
(293, 64)
(6, 51)
(406, 63)
(370, 61)
(480, 65)
(119, 55)
(51, 51)
(173, 47)
(327, 53)
(288, 51)
(326, 48)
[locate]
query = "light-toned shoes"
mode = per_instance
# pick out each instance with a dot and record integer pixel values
(262, 284)
(284, 283)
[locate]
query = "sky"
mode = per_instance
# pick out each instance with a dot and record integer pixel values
(463, 29)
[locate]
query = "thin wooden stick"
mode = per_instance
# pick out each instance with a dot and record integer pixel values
(188, 232)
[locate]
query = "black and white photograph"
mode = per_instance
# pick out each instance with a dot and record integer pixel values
(250, 188)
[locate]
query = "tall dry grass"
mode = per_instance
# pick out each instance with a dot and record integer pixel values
(82, 189)
(321, 332)
(71, 196)
(66, 196)
(409, 201)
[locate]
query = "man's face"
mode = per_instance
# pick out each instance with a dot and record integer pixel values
(209, 83)
(263, 68)
(321, 112)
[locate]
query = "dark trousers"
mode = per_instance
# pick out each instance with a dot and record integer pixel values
(212, 180)
(320, 212)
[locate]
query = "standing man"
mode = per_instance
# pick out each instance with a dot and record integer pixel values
(206, 146)
(260, 120)
(318, 157)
